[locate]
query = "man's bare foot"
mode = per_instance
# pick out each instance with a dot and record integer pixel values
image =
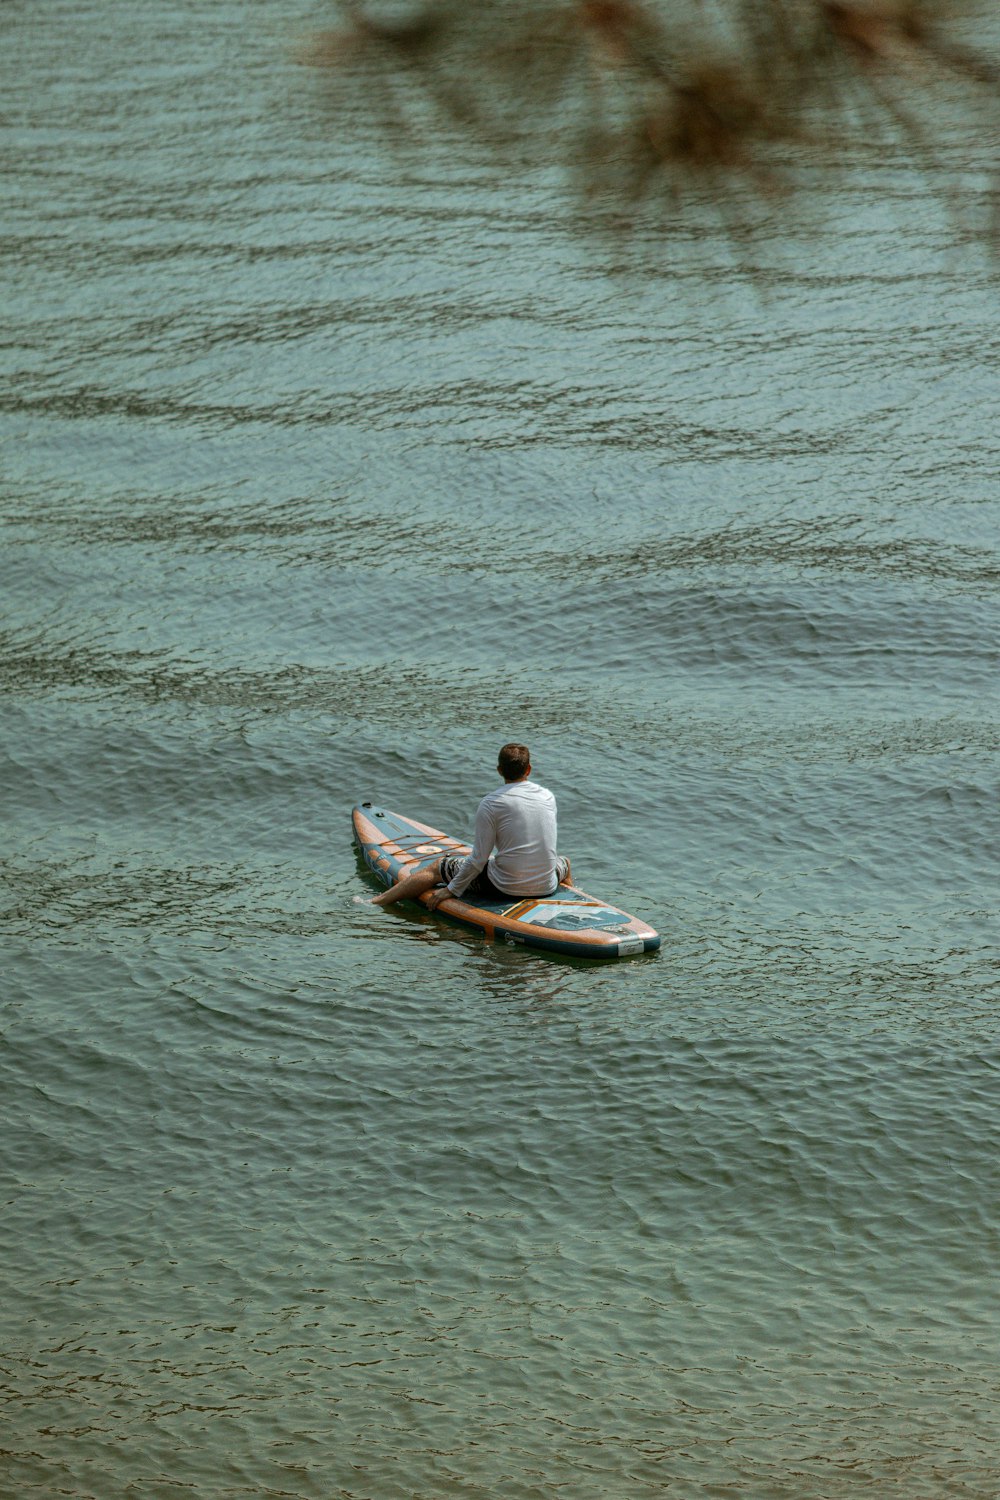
(410, 888)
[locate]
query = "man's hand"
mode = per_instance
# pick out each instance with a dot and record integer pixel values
(436, 896)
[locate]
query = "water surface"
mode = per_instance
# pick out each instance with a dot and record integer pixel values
(329, 467)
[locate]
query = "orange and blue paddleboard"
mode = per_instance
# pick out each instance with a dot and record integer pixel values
(569, 921)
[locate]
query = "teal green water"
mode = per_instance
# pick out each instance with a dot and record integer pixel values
(327, 468)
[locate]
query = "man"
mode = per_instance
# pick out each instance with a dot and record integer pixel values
(518, 822)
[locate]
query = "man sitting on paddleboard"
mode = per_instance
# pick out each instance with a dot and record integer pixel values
(514, 851)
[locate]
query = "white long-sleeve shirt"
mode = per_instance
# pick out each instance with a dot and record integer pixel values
(518, 820)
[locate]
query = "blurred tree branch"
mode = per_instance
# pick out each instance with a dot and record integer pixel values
(730, 95)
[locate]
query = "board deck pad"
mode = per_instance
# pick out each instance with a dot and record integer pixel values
(568, 921)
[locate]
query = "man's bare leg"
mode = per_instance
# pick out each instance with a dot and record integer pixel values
(410, 887)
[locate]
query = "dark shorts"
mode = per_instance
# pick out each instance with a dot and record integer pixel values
(482, 886)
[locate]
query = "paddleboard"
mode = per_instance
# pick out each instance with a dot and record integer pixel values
(568, 922)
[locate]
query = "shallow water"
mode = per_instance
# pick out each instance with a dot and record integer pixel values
(328, 468)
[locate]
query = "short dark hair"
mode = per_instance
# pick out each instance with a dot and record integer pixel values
(513, 761)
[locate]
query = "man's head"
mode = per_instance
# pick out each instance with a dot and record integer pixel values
(513, 762)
